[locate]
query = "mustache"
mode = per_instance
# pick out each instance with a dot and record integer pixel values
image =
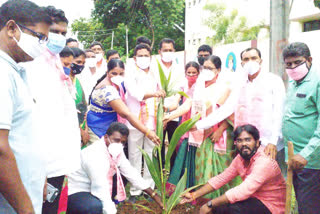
(245, 147)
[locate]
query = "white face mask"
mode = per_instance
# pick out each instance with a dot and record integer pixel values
(115, 149)
(251, 67)
(167, 56)
(91, 62)
(99, 57)
(30, 44)
(117, 80)
(143, 62)
(206, 75)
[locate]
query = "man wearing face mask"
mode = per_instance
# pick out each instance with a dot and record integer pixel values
(142, 93)
(56, 111)
(169, 64)
(301, 125)
(263, 188)
(204, 51)
(259, 101)
(23, 35)
(101, 64)
(90, 187)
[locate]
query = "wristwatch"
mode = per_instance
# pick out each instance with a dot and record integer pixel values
(209, 204)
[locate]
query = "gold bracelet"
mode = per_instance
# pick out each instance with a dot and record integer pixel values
(147, 133)
(153, 194)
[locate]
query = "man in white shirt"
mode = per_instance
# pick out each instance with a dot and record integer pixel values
(259, 102)
(101, 64)
(55, 110)
(90, 187)
(169, 64)
(24, 30)
(142, 93)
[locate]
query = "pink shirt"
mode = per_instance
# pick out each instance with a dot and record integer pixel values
(262, 179)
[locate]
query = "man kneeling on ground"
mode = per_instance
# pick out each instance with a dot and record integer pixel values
(263, 188)
(90, 187)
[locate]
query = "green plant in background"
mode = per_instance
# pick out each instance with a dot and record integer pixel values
(158, 171)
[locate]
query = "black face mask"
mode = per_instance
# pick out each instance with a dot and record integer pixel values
(76, 69)
(250, 155)
(201, 60)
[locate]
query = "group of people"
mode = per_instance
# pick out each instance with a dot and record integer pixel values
(73, 121)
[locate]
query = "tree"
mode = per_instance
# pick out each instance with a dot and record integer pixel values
(317, 3)
(152, 18)
(229, 28)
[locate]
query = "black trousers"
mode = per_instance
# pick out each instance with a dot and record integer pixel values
(249, 206)
(307, 188)
(84, 203)
(52, 208)
(171, 127)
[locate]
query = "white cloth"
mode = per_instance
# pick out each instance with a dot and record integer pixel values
(92, 176)
(137, 139)
(177, 78)
(17, 116)
(138, 83)
(270, 92)
(89, 80)
(57, 115)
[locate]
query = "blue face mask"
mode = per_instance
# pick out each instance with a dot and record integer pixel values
(56, 43)
(67, 70)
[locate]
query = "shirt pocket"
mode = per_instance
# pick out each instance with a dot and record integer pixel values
(299, 105)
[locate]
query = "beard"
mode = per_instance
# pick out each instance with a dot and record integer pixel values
(246, 153)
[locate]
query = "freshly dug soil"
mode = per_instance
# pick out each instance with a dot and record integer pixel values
(128, 208)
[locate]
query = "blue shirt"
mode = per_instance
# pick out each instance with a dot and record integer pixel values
(16, 115)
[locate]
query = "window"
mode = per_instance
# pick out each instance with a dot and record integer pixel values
(194, 2)
(194, 42)
(311, 25)
(199, 41)
(189, 4)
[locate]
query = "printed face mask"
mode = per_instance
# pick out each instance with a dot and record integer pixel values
(298, 72)
(56, 43)
(76, 69)
(143, 62)
(29, 44)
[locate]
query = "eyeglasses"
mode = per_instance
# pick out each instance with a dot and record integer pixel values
(42, 38)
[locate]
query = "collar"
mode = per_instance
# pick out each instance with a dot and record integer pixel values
(259, 152)
(13, 63)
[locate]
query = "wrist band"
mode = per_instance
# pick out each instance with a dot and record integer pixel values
(147, 133)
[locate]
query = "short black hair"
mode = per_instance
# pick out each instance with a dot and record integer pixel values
(205, 48)
(56, 15)
(192, 64)
(168, 41)
(252, 130)
(296, 49)
(118, 127)
(249, 49)
(143, 39)
(88, 50)
(96, 43)
(23, 12)
(110, 53)
(141, 46)
(215, 60)
(71, 40)
(78, 52)
(66, 52)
